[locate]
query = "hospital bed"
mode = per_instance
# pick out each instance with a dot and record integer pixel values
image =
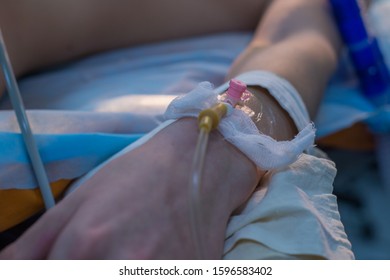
(109, 102)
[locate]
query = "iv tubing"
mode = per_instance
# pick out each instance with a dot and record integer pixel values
(208, 120)
(195, 188)
(29, 141)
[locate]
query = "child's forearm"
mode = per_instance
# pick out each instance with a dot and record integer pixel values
(298, 41)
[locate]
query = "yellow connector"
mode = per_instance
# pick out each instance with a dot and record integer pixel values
(209, 118)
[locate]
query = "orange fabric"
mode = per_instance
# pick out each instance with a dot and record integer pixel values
(18, 205)
(356, 137)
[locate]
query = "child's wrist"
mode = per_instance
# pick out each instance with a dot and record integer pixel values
(269, 117)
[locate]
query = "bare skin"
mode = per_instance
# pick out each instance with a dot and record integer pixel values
(80, 27)
(295, 39)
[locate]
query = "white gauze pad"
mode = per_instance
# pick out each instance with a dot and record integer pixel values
(238, 128)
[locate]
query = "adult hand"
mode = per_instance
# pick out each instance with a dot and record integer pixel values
(136, 206)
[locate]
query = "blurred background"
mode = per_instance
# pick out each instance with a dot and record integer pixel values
(358, 123)
(364, 203)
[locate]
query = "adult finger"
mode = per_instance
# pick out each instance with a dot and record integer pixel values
(36, 242)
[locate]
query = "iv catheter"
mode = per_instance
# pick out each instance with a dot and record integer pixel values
(208, 120)
(28, 138)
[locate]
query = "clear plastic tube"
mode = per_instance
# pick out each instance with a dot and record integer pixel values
(208, 120)
(28, 138)
(196, 213)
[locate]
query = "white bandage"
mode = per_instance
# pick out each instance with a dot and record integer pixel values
(239, 129)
